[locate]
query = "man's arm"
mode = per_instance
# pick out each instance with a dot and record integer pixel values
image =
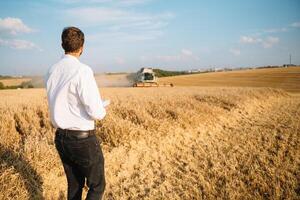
(89, 94)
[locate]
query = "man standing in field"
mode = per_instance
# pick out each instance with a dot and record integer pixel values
(75, 102)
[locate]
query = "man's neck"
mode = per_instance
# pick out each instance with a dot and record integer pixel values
(77, 55)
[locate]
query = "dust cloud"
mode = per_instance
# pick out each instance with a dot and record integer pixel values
(115, 80)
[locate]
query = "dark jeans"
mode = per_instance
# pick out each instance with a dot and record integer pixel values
(82, 159)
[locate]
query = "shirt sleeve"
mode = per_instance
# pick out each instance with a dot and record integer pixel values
(89, 95)
(45, 79)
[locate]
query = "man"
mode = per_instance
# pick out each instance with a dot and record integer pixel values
(75, 102)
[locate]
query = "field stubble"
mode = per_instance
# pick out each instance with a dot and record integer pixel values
(163, 143)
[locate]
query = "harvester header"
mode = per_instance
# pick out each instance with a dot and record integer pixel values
(145, 77)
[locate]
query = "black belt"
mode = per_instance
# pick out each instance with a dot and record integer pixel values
(75, 133)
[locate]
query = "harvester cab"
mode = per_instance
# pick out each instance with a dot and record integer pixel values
(145, 77)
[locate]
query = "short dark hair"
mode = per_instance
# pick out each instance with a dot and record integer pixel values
(72, 39)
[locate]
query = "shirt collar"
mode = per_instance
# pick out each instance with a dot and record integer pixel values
(69, 56)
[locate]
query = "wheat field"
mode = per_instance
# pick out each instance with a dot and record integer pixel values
(163, 143)
(282, 78)
(14, 81)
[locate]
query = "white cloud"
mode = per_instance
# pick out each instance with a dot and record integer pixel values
(18, 44)
(184, 55)
(276, 30)
(9, 28)
(120, 60)
(267, 42)
(270, 41)
(296, 24)
(249, 40)
(141, 25)
(80, 1)
(131, 2)
(91, 16)
(235, 52)
(144, 58)
(120, 23)
(186, 52)
(111, 2)
(99, 15)
(287, 28)
(13, 26)
(122, 36)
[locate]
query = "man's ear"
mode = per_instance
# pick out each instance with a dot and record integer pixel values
(81, 50)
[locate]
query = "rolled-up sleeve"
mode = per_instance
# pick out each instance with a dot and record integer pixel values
(89, 94)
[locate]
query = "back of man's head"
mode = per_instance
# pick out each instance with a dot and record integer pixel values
(72, 39)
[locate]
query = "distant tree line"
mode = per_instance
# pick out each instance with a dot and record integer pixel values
(164, 73)
(4, 77)
(115, 73)
(25, 84)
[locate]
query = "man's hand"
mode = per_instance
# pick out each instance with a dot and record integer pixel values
(106, 103)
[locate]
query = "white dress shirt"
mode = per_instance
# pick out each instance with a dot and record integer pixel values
(73, 96)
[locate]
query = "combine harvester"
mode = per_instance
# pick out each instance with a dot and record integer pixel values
(145, 77)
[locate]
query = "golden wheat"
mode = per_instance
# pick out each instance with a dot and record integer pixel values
(283, 78)
(163, 143)
(14, 81)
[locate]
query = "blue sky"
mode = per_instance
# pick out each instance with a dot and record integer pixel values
(124, 35)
